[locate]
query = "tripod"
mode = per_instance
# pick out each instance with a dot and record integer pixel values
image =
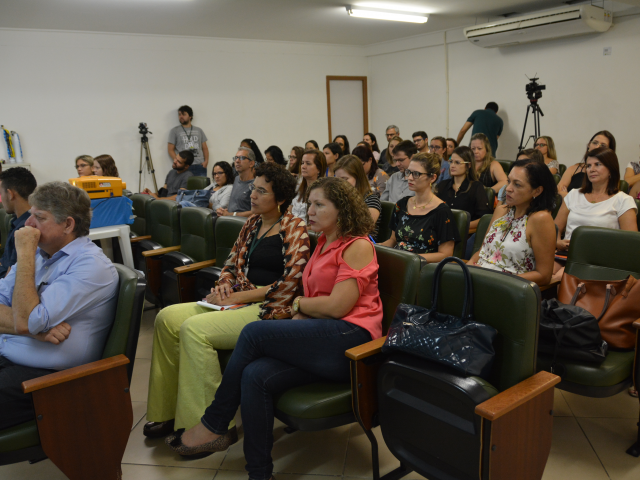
(536, 111)
(144, 145)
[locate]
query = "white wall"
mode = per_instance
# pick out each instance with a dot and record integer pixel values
(68, 94)
(586, 91)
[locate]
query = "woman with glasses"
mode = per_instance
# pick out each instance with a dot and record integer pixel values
(222, 185)
(390, 167)
(263, 273)
(84, 165)
(370, 139)
(521, 238)
(314, 166)
(490, 172)
(423, 224)
(547, 148)
(295, 160)
(574, 175)
(376, 176)
(438, 146)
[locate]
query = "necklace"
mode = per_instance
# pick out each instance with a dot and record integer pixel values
(415, 205)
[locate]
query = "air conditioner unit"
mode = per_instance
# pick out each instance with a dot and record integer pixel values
(546, 25)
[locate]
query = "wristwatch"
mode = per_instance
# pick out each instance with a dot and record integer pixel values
(235, 213)
(296, 305)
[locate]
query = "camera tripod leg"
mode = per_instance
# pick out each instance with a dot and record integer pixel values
(524, 129)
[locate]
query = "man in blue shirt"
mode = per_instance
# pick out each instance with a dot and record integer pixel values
(484, 121)
(58, 302)
(16, 184)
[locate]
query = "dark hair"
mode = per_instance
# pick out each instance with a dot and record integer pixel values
(533, 154)
(108, 165)
(335, 148)
(276, 154)
(346, 150)
(406, 146)
(282, 182)
(420, 133)
(492, 106)
(466, 154)
(295, 169)
(321, 164)
(312, 142)
(254, 148)
(364, 153)
(187, 156)
(604, 133)
(455, 142)
(228, 172)
(539, 175)
(20, 180)
(609, 159)
(186, 109)
(373, 138)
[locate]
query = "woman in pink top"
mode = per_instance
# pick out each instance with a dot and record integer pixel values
(341, 309)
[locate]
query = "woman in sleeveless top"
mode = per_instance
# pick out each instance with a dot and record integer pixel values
(574, 175)
(490, 172)
(632, 177)
(521, 239)
(547, 148)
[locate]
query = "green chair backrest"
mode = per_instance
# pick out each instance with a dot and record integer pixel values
(506, 165)
(557, 178)
(491, 197)
(623, 186)
(462, 219)
(603, 254)
(481, 231)
(384, 232)
(163, 222)
(140, 201)
(198, 183)
(198, 239)
(123, 337)
(558, 204)
(515, 317)
(227, 232)
(398, 273)
(638, 211)
(562, 169)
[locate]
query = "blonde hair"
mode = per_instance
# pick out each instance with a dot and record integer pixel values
(86, 158)
(390, 152)
(430, 162)
(488, 158)
(352, 165)
(551, 147)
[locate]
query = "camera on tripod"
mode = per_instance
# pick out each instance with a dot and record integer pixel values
(143, 128)
(534, 90)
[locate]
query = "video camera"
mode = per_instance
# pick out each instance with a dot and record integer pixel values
(143, 129)
(534, 90)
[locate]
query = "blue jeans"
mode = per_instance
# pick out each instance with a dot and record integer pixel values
(198, 170)
(272, 356)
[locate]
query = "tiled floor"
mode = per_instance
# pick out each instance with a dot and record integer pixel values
(590, 437)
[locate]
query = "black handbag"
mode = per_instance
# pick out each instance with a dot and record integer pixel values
(571, 332)
(460, 343)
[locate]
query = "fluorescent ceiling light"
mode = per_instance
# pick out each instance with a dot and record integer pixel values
(394, 7)
(380, 14)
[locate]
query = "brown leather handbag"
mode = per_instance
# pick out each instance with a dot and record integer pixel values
(616, 305)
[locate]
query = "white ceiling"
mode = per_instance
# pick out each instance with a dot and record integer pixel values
(316, 21)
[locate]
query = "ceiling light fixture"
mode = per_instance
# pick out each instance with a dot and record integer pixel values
(384, 14)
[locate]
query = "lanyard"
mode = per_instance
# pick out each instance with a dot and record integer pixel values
(255, 244)
(188, 134)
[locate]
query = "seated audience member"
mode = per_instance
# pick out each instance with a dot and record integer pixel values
(598, 203)
(520, 240)
(16, 184)
(398, 185)
(421, 139)
(490, 172)
(104, 166)
(390, 166)
(632, 177)
(222, 185)
(385, 157)
(344, 144)
(452, 144)
(423, 224)
(370, 139)
(547, 148)
(249, 143)
(463, 191)
(376, 176)
(574, 175)
(240, 201)
(533, 154)
(84, 164)
(340, 309)
(59, 300)
(311, 145)
(274, 154)
(439, 147)
(349, 168)
(295, 160)
(263, 270)
(313, 167)
(332, 152)
(176, 178)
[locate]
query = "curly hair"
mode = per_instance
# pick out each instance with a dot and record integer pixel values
(108, 165)
(282, 182)
(228, 173)
(354, 219)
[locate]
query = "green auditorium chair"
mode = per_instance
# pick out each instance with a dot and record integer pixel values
(557, 178)
(321, 406)
(491, 197)
(507, 165)
(557, 205)
(84, 414)
(562, 168)
(444, 425)
(623, 186)
(198, 183)
(384, 232)
(481, 231)
(602, 254)
(140, 201)
(638, 211)
(462, 219)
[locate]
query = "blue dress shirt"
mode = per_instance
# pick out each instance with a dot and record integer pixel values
(77, 285)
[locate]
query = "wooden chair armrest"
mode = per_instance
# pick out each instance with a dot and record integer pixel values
(553, 284)
(73, 373)
(366, 349)
(140, 238)
(194, 267)
(517, 395)
(160, 251)
(636, 324)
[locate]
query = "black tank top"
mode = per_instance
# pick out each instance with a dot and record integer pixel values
(486, 179)
(577, 178)
(266, 264)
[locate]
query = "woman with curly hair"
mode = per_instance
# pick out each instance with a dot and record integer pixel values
(104, 166)
(340, 309)
(263, 272)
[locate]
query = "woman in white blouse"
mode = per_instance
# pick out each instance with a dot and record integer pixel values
(222, 184)
(598, 203)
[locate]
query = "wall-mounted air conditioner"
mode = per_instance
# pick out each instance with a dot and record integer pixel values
(556, 23)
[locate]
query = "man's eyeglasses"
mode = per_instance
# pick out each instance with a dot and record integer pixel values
(81, 165)
(540, 145)
(416, 175)
(260, 191)
(458, 163)
(240, 158)
(435, 147)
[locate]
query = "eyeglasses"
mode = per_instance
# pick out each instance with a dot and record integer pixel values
(597, 144)
(292, 157)
(216, 174)
(240, 158)
(435, 147)
(416, 175)
(457, 163)
(540, 145)
(81, 165)
(259, 191)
